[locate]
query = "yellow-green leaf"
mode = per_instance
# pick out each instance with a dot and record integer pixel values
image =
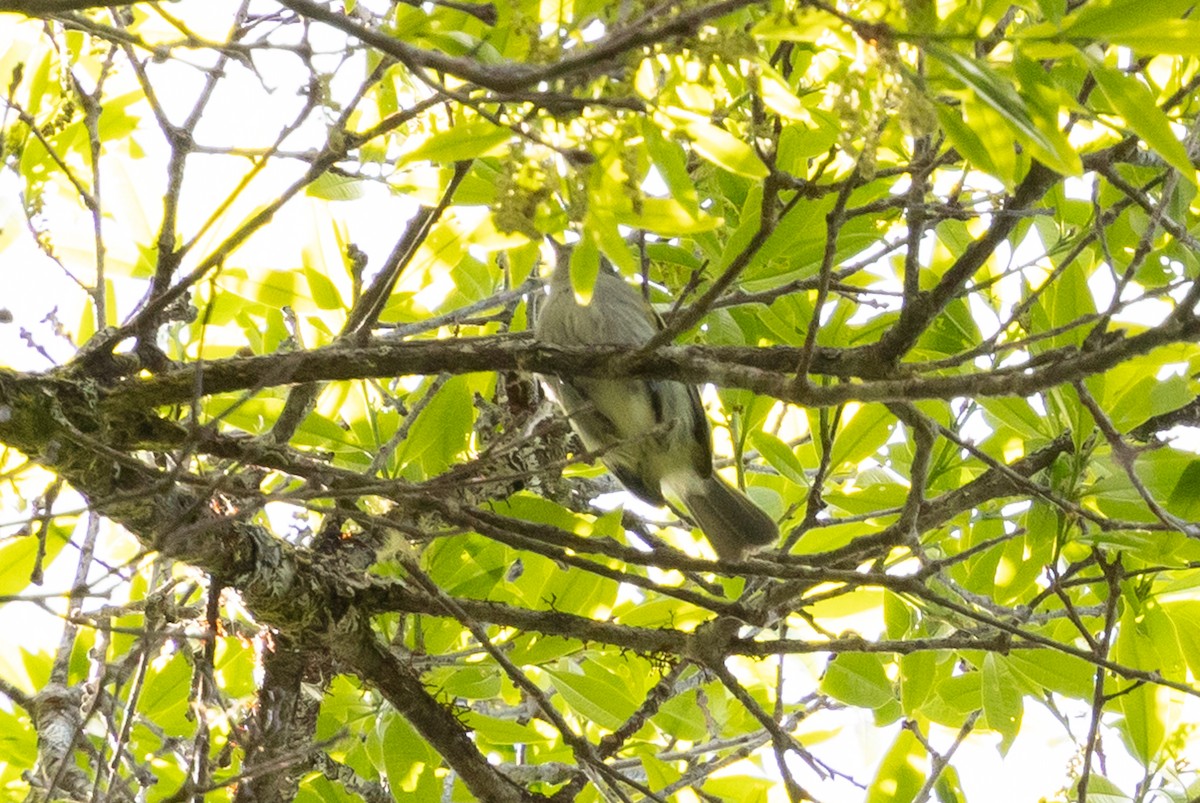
(464, 141)
(1136, 105)
(867, 431)
(19, 557)
(858, 679)
(1144, 725)
(585, 267)
(1168, 37)
(332, 187)
(596, 695)
(899, 778)
(998, 93)
(668, 217)
(779, 455)
(1114, 20)
(1002, 700)
(725, 150)
(796, 26)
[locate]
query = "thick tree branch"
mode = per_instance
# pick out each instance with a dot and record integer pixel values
(45, 8)
(283, 586)
(759, 370)
(514, 77)
(921, 309)
(359, 647)
(283, 723)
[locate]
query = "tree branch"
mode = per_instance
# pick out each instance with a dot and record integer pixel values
(759, 370)
(46, 8)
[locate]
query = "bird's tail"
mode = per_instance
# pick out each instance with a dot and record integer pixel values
(732, 523)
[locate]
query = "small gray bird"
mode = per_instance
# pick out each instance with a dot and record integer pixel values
(651, 433)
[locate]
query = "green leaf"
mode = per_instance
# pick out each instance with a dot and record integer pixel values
(39, 83)
(605, 232)
(1143, 727)
(580, 592)
(1169, 37)
(1112, 19)
(952, 332)
(658, 773)
(801, 25)
(995, 137)
(18, 740)
(407, 760)
(1022, 558)
(917, 673)
(116, 121)
(1184, 500)
(749, 221)
(346, 706)
(779, 98)
(165, 694)
(1143, 394)
(1137, 106)
(668, 217)
(333, 187)
(858, 679)
(1161, 472)
(585, 267)
(19, 558)
(682, 717)
(1053, 10)
(999, 94)
(1160, 628)
(725, 150)
(596, 694)
(460, 143)
(1185, 616)
(1102, 790)
(948, 787)
(235, 664)
(742, 788)
(319, 789)
(323, 291)
(962, 693)
(536, 650)
(1019, 416)
(898, 616)
(669, 157)
(866, 432)
(779, 455)
(278, 288)
(899, 778)
(1054, 671)
(441, 430)
(799, 143)
(469, 682)
(503, 731)
(1003, 704)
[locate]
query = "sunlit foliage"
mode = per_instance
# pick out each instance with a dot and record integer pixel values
(286, 515)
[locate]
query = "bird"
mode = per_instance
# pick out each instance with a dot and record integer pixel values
(652, 434)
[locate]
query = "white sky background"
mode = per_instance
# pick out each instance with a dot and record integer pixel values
(247, 113)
